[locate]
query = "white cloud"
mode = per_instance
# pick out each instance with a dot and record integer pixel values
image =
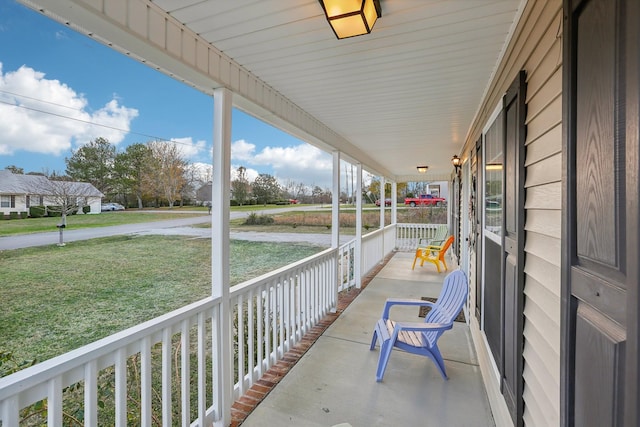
(188, 148)
(299, 163)
(242, 150)
(47, 116)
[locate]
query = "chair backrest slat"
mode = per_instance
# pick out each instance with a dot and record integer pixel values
(449, 303)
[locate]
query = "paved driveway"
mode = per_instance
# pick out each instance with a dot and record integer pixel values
(181, 226)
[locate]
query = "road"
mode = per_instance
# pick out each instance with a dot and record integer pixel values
(180, 226)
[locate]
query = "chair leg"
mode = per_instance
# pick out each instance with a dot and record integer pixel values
(445, 264)
(437, 358)
(383, 358)
(374, 340)
(418, 255)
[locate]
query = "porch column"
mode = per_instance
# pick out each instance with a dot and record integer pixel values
(358, 248)
(383, 201)
(335, 223)
(394, 203)
(223, 345)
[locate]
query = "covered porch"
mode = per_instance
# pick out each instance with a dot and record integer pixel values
(430, 81)
(334, 381)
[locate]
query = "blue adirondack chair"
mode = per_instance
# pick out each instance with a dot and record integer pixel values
(421, 337)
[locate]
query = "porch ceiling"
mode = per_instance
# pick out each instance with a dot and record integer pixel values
(405, 94)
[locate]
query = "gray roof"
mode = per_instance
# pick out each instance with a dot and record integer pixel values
(11, 183)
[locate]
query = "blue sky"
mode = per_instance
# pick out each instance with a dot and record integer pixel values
(56, 84)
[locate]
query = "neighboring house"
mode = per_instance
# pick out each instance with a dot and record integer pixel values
(19, 192)
(203, 194)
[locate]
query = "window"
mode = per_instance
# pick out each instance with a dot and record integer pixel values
(7, 201)
(493, 177)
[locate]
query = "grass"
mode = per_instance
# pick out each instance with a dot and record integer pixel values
(105, 219)
(57, 299)
(319, 221)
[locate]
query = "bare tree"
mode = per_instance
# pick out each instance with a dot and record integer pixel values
(168, 173)
(61, 197)
(240, 186)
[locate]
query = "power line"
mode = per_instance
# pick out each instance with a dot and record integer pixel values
(156, 138)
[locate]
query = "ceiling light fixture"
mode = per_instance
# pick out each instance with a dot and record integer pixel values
(350, 18)
(422, 169)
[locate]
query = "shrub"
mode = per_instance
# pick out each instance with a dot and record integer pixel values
(24, 214)
(36, 211)
(234, 202)
(13, 215)
(255, 219)
(86, 209)
(54, 210)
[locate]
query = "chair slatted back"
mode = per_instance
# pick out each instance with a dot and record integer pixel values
(449, 303)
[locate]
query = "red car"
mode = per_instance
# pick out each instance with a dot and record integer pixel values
(425, 200)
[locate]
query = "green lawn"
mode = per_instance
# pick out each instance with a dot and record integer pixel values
(57, 299)
(37, 225)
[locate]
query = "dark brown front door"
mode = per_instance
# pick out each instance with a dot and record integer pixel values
(599, 370)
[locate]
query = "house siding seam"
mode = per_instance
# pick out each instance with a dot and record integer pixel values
(536, 47)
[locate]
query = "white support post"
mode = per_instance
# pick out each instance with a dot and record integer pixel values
(358, 249)
(383, 204)
(335, 224)
(223, 381)
(394, 203)
(383, 201)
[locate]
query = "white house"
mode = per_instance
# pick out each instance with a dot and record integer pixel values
(19, 192)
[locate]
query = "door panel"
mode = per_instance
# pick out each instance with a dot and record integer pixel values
(600, 256)
(599, 386)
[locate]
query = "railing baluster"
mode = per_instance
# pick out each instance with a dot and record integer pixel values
(166, 378)
(10, 411)
(202, 378)
(251, 336)
(185, 374)
(90, 394)
(274, 321)
(281, 316)
(267, 325)
(216, 349)
(145, 381)
(240, 338)
(121, 387)
(54, 402)
(260, 335)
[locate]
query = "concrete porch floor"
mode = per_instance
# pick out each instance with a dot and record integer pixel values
(334, 381)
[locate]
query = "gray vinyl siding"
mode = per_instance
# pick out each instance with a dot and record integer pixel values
(536, 47)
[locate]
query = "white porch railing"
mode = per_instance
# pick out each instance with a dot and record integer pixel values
(276, 310)
(408, 235)
(164, 370)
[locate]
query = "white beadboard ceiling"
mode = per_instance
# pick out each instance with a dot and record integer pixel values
(405, 94)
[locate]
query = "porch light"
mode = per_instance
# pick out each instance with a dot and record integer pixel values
(422, 169)
(349, 18)
(456, 162)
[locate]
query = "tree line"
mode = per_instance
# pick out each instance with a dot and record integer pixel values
(156, 173)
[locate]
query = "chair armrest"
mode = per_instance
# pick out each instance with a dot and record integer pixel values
(403, 301)
(421, 327)
(438, 243)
